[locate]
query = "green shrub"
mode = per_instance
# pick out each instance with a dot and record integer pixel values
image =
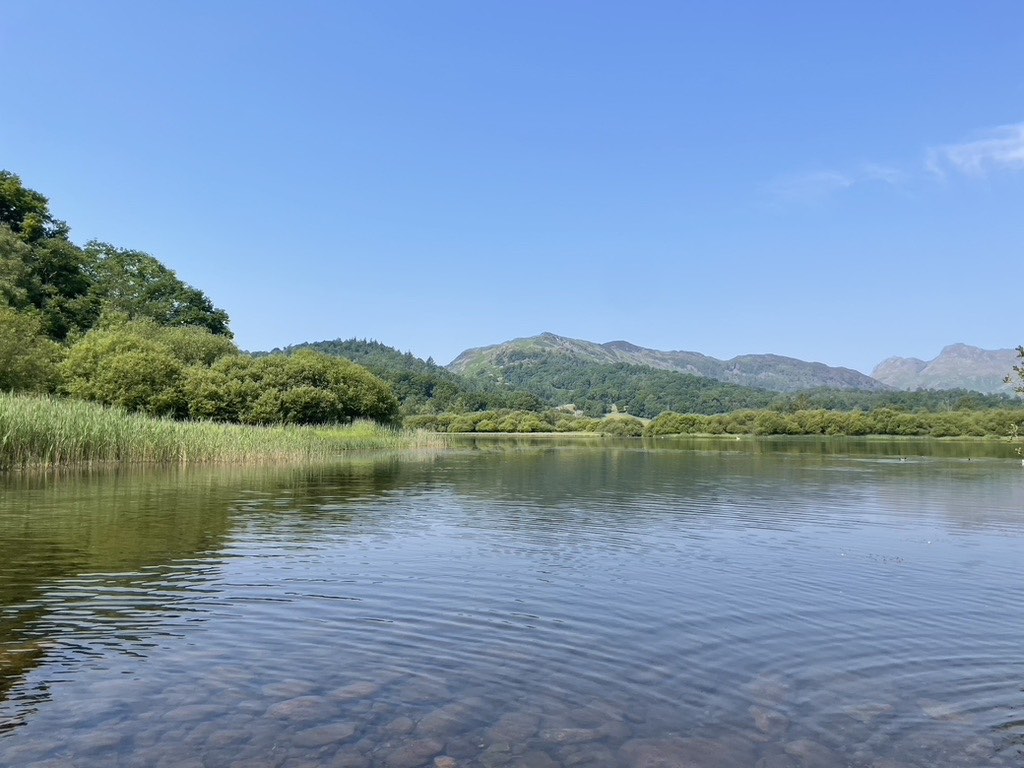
(28, 359)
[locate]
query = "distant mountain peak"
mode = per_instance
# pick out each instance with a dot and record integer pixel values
(957, 366)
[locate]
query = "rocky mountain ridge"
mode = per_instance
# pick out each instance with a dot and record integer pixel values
(957, 366)
(765, 371)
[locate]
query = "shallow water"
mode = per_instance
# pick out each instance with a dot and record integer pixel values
(695, 603)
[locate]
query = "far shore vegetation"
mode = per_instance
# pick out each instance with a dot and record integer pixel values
(883, 421)
(107, 356)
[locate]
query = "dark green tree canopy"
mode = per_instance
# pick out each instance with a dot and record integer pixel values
(26, 211)
(304, 388)
(71, 288)
(137, 285)
(28, 360)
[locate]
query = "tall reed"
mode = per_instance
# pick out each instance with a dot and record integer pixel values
(44, 431)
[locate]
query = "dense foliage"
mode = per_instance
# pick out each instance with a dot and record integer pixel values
(305, 388)
(918, 401)
(646, 392)
(884, 421)
(140, 365)
(117, 327)
(70, 288)
(508, 420)
(636, 389)
(28, 359)
(422, 385)
(189, 372)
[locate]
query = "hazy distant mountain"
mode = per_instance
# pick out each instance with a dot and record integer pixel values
(771, 372)
(958, 366)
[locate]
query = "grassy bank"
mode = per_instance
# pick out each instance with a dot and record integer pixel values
(42, 431)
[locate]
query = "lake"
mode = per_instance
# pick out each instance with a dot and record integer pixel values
(797, 603)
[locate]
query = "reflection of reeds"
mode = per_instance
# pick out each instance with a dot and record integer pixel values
(42, 431)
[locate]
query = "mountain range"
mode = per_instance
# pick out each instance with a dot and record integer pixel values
(958, 366)
(772, 372)
(551, 371)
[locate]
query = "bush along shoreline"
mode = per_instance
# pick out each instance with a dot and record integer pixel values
(882, 422)
(43, 431)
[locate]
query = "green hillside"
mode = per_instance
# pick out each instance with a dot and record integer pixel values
(771, 372)
(545, 373)
(421, 385)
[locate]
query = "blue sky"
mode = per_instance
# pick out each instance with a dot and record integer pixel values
(838, 182)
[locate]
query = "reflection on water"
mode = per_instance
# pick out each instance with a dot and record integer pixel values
(699, 603)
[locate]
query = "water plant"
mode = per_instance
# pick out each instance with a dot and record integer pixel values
(39, 430)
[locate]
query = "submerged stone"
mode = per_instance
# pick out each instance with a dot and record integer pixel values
(322, 735)
(449, 719)
(869, 712)
(400, 726)
(811, 754)
(780, 760)
(301, 708)
(414, 753)
(513, 726)
(769, 721)
(192, 712)
(940, 710)
(569, 735)
(348, 758)
(769, 689)
(288, 689)
(534, 759)
(359, 690)
(587, 755)
(678, 752)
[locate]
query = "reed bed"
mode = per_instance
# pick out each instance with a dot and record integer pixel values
(43, 431)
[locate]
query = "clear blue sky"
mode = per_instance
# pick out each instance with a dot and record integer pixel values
(833, 181)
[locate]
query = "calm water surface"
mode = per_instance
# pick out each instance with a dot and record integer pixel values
(791, 604)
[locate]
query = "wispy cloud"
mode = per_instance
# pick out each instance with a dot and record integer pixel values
(811, 186)
(883, 173)
(999, 149)
(816, 186)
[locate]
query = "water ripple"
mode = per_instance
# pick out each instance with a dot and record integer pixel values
(566, 608)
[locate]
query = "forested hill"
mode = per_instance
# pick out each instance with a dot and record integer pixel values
(643, 391)
(594, 388)
(956, 366)
(635, 389)
(63, 290)
(420, 384)
(770, 372)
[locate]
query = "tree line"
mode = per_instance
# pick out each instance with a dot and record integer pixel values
(647, 392)
(883, 421)
(117, 327)
(422, 386)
